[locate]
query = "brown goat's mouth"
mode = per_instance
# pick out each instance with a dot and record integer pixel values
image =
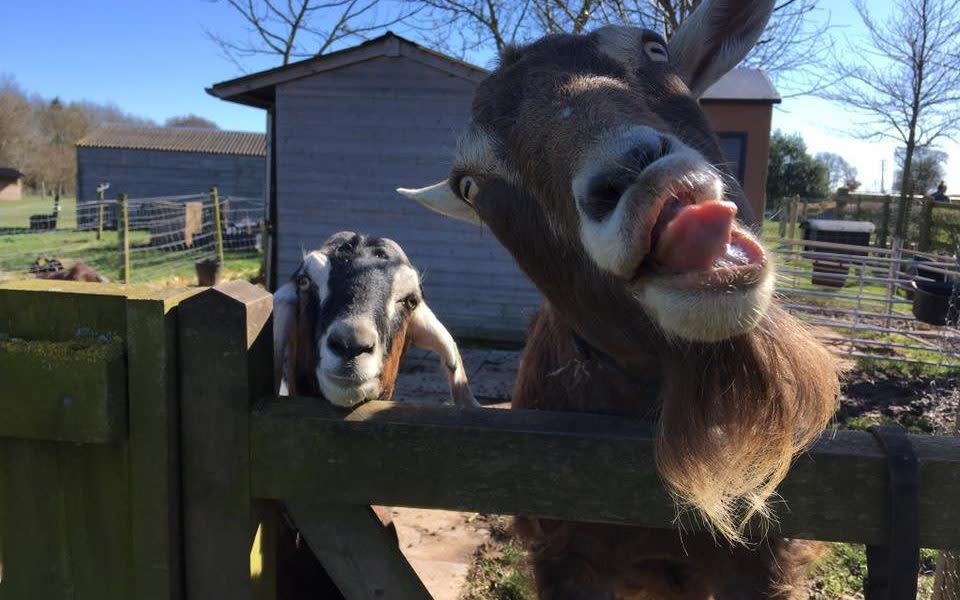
(696, 241)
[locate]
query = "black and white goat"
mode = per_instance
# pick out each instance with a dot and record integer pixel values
(343, 322)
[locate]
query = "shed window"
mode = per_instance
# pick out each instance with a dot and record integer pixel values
(734, 148)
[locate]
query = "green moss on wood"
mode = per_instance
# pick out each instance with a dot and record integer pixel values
(99, 350)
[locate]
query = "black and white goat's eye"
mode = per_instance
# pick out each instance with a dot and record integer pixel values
(381, 254)
(468, 188)
(303, 282)
(655, 51)
(410, 302)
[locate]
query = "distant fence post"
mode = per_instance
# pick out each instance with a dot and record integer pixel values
(885, 221)
(124, 234)
(226, 350)
(794, 208)
(784, 210)
(926, 222)
(101, 190)
(215, 197)
(841, 199)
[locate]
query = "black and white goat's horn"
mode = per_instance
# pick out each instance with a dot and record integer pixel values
(427, 332)
(284, 322)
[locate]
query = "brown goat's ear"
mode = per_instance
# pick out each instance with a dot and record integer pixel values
(427, 332)
(284, 322)
(715, 38)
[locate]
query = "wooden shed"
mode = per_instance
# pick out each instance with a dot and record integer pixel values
(11, 184)
(347, 128)
(160, 162)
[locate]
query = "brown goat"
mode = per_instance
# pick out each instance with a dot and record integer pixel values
(79, 271)
(590, 160)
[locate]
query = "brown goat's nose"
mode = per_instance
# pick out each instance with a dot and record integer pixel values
(350, 340)
(605, 189)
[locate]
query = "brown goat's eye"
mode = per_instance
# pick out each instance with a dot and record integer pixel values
(303, 282)
(468, 189)
(410, 302)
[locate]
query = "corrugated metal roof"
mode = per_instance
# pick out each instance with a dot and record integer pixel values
(177, 139)
(10, 173)
(744, 85)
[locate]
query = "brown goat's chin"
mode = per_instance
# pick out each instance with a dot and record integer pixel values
(735, 413)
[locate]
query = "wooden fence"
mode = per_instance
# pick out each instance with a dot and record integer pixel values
(144, 457)
(927, 224)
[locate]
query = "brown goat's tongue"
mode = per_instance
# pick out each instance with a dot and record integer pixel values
(696, 236)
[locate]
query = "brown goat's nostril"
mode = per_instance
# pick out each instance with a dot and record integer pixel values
(607, 187)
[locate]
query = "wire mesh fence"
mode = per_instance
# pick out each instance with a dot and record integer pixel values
(161, 239)
(870, 303)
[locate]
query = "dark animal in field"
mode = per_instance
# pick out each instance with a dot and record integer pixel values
(78, 271)
(590, 160)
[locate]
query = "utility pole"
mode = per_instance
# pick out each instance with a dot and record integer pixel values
(883, 172)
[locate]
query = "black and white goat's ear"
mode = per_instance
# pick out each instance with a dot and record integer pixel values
(440, 198)
(715, 38)
(427, 332)
(284, 323)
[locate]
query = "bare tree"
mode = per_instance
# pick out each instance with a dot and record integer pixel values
(927, 170)
(904, 79)
(839, 170)
(462, 26)
(293, 29)
(793, 49)
(191, 121)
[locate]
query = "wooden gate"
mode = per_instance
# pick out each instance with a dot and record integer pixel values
(166, 401)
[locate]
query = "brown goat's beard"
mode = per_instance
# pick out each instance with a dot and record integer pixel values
(735, 413)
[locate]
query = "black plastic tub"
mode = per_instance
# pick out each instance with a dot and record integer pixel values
(936, 302)
(208, 272)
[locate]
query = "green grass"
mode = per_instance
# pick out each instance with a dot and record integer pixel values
(17, 213)
(502, 569)
(841, 572)
(19, 249)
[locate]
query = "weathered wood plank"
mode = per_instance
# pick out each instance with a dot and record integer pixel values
(569, 466)
(63, 391)
(361, 556)
(33, 540)
(152, 381)
(95, 494)
(225, 341)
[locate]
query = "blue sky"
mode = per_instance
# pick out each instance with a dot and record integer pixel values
(152, 59)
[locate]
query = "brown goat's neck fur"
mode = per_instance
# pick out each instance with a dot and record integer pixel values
(730, 416)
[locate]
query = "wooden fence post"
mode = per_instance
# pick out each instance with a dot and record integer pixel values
(784, 210)
(885, 221)
(124, 239)
(101, 190)
(926, 222)
(841, 199)
(226, 363)
(794, 208)
(217, 222)
(946, 581)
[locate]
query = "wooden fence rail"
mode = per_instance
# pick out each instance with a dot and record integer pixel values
(567, 466)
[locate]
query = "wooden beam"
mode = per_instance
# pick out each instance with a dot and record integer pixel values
(225, 356)
(361, 556)
(567, 466)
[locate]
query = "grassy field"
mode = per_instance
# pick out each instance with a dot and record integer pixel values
(19, 248)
